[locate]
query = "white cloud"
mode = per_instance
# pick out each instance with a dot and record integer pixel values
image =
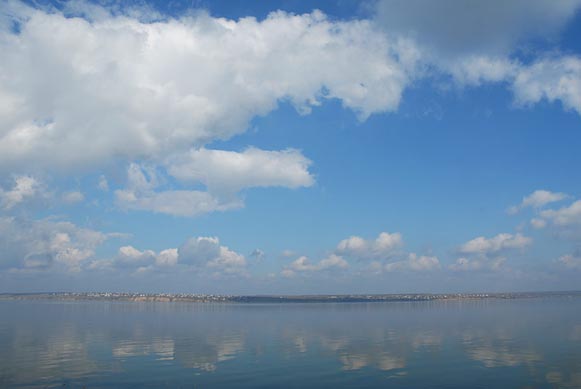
(141, 194)
(150, 89)
(130, 257)
(224, 173)
(476, 43)
(564, 217)
(304, 265)
(384, 246)
(476, 70)
(207, 252)
(73, 197)
(489, 254)
(413, 262)
(202, 254)
(153, 89)
(550, 79)
(538, 199)
(167, 257)
(229, 172)
(482, 245)
(25, 187)
(173, 202)
(43, 244)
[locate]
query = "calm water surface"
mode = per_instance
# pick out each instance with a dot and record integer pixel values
(453, 344)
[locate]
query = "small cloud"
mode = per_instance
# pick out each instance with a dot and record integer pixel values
(304, 265)
(72, 197)
(287, 253)
(536, 200)
(538, 223)
(414, 263)
(103, 184)
(482, 245)
(257, 254)
(382, 247)
(571, 261)
(25, 187)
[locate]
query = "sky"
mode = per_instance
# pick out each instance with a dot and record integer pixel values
(290, 147)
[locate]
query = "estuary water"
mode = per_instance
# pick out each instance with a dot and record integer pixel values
(522, 343)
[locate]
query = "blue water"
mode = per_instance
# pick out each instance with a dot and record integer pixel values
(447, 344)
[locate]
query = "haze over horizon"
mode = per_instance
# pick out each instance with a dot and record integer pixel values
(287, 147)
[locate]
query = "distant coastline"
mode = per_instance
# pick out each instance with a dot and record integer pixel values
(337, 298)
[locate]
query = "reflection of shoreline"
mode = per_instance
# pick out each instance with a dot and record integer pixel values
(210, 298)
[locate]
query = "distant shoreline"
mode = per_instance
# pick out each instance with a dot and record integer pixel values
(337, 298)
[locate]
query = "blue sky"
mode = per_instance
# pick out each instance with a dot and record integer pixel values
(290, 147)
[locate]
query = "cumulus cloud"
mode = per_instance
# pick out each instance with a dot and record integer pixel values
(482, 245)
(413, 262)
(202, 254)
(537, 199)
(552, 79)
(224, 173)
(142, 194)
(384, 246)
(489, 253)
(563, 222)
(475, 42)
(128, 257)
(152, 88)
(304, 265)
(207, 252)
(564, 217)
(229, 172)
(44, 244)
(25, 187)
(149, 89)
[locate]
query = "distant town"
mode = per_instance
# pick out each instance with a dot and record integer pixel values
(339, 298)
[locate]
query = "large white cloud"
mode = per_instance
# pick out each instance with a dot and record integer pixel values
(80, 92)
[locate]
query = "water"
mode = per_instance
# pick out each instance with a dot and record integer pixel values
(447, 344)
